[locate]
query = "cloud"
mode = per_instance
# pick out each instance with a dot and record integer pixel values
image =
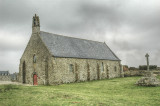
(11, 43)
(10, 61)
(16, 12)
(130, 28)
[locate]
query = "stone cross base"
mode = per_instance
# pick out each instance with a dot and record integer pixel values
(148, 80)
(148, 74)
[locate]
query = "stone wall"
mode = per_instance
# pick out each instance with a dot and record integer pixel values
(35, 47)
(130, 73)
(5, 78)
(83, 70)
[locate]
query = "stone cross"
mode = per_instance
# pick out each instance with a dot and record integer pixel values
(147, 57)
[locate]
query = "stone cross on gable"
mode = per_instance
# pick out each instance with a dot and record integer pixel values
(147, 57)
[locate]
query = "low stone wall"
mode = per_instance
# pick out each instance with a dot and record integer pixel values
(130, 73)
(157, 72)
(5, 78)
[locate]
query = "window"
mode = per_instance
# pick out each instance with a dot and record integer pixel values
(102, 67)
(71, 69)
(115, 68)
(34, 58)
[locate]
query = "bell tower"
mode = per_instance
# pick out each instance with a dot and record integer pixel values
(35, 24)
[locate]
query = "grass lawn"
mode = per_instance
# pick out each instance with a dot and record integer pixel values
(109, 92)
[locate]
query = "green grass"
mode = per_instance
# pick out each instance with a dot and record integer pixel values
(112, 92)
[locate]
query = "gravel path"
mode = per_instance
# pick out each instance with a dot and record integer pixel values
(14, 83)
(9, 82)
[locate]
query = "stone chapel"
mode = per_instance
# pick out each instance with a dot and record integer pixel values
(56, 59)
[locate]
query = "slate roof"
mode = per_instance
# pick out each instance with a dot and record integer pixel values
(4, 72)
(63, 46)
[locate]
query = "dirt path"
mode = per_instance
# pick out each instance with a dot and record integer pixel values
(9, 82)
(14, 83)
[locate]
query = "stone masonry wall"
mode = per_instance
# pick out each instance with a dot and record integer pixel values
(5, 78)
(130, 73)
(35, 47)
(83, 70)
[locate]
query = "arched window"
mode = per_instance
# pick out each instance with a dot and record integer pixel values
(102, 67)
(115, 68)
(71, 68)
(34, 58)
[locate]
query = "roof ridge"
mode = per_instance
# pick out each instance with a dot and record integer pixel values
(72, 37)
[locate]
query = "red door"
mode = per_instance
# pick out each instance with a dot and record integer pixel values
(35, 79)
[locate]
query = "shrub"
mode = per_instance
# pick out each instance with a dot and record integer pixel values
(151, 67)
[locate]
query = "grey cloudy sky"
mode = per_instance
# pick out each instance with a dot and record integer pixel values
(131, 28)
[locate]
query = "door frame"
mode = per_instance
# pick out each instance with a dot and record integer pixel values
(34, 80)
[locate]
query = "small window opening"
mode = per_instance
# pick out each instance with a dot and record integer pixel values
(71, 68)
(102, 67)
(34, 58)
(115, 68)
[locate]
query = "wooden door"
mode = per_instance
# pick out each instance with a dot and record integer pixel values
(35, 79)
